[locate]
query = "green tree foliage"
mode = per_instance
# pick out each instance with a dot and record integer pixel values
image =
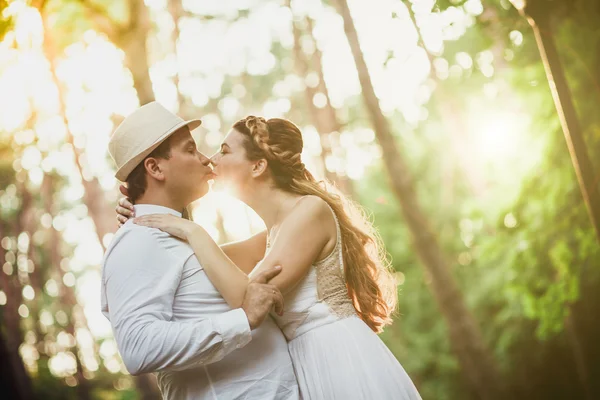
(523, 250)
(531, 265)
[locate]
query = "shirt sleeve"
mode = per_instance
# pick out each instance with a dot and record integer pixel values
(141, 280)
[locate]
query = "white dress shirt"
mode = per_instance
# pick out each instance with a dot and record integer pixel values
(168, 318)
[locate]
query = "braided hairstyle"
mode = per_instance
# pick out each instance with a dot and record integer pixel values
(280, 142)
(367, 271)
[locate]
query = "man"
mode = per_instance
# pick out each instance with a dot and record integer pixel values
(166, 315)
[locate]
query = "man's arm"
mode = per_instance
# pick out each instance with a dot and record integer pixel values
(141, 279)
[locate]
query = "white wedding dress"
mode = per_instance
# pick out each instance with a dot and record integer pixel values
(336, 356)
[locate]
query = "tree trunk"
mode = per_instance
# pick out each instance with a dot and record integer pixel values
(66, 294)
(11, 335)
(579, 355)
(14, 381)
(99, 208)
(539, 20)
(133, 43)
(475, 359)
(131, 38)
(324, 119)
(175, 8)
(28, 222)
(186, 108)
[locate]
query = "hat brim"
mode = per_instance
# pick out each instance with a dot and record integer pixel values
(123, 172)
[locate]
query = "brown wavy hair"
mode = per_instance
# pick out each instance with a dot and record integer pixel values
(367, 271)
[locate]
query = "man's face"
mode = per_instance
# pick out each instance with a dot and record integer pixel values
(187, 171)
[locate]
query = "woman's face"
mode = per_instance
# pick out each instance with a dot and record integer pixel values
(231, 166)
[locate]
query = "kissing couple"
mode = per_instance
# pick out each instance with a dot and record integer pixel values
(290, 313)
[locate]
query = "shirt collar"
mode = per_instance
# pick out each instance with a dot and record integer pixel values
(145, 209)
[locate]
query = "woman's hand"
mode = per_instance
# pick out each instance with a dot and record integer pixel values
(124, 207)
(176, 226)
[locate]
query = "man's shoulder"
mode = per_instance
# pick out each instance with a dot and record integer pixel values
(131, 233)
(144, 239)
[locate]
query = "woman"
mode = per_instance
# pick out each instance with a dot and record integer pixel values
(337, 287)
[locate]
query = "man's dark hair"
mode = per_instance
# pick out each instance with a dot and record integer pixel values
(136, 181)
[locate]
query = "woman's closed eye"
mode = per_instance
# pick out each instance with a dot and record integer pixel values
(224, 149)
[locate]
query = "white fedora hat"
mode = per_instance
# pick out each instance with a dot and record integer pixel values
(142, 132)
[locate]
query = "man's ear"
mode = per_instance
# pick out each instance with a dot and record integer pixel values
(154, 169)
(259, 167)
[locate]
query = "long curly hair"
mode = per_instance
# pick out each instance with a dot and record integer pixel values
(369, 279)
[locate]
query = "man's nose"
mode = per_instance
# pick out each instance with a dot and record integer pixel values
(205, 160)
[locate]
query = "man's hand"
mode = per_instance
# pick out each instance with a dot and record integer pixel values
(261, 297)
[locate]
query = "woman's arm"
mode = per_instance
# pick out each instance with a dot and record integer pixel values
(244, 253)
(223, 273)
(306, 235)
(229, 280)
(247, 253)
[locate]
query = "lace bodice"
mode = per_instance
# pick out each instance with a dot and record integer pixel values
(321, 297)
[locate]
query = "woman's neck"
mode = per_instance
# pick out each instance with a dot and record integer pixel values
(271, 204)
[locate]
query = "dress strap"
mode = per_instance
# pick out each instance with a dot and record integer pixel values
(338, 244)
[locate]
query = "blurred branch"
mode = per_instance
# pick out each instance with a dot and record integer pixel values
(100, 211)
(176, 10)
(208, 17)
(39, 4)
(193, 15)
(10, 318)
(324, 119)
(453, 118)
(130, 37)
(104, 21)
(136, 8)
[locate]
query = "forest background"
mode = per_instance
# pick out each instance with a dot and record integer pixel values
(437, 116)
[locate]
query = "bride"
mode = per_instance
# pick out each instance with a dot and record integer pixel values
(336, 282)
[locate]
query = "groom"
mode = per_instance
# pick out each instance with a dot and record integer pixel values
(166, 315)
